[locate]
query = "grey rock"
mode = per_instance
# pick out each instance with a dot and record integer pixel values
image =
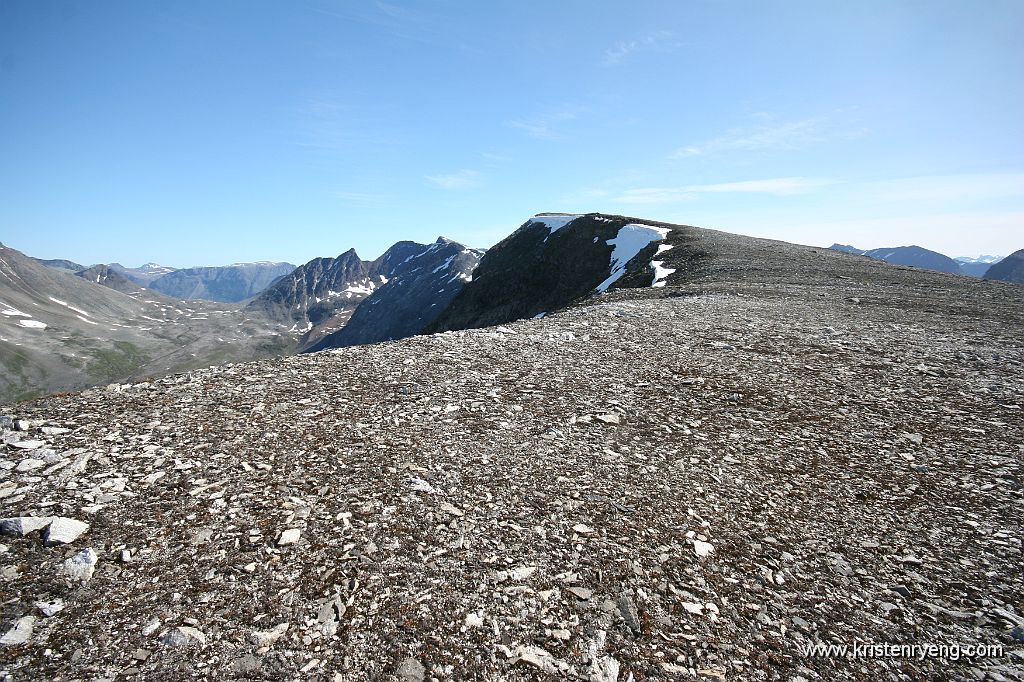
(82, 565)
(64, 531)
(50, 608)
(20, 526)
(901, 590)
(29, 464)
(411, 670)
(289, 537)
(627, 609)
(20, 632)
(183, 636)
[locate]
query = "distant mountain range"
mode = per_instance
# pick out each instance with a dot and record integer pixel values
(226, 284)
(920, 257)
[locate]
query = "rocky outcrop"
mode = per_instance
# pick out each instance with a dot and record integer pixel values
(420, 287)
(112, 279)
(550, 262)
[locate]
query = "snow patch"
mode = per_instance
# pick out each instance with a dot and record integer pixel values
(630, 241)
(32, 324)
(8, 310)
(554, 223)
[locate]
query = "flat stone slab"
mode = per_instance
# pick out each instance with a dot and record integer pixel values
(20, 526)
(64, 531)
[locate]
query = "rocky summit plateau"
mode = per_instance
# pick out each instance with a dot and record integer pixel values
(774, 447)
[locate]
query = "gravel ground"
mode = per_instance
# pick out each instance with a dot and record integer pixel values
(695, 485)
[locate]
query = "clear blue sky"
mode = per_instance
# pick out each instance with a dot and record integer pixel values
(220, 131)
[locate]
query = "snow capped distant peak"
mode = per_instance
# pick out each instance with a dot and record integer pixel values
(978, 259)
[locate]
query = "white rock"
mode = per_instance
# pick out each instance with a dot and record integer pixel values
(151, 627)
(610, 418)
(64, 531)
(29, 464)
(517, 574)
(20, 526)
(20, 633)
(581, 592)
(49, 608)
(703, 549)
(268, 637)
(81, 566)
(183, 636)
(541, 659)
(582, 529)
(289, 537)
(474, 620)
(28, 444)
(451, 509)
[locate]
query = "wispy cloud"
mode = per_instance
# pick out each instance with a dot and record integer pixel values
(548, 125)
(771, 136)
(362, 198)
(669, 195)
(459, 180)
(660, 41)
(949, 188)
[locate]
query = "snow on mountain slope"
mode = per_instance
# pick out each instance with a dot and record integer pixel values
(631, 240)
(413, 297)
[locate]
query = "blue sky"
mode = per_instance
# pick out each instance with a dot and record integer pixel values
(216, 132)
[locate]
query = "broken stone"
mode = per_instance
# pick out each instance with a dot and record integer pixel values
(21, 526)
(50, 608)
(29, 464)
(183, 636)
(580, 592)
(703, 549)
(20, 632)
(610, 418)
(267, 638)
(28, 444)
(81, 566)
(289, 537)
(64, 531)
(411, 670)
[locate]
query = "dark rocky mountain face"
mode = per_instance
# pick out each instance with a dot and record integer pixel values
(1010, 269)
(322, 294)
(551, 261)
(106, 276)
(60, 264)
(422, 282)
(227, 284)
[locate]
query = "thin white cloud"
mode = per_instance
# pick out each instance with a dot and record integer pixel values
(660, 41)
(459, 180)
(791, 135)
(947, 188)
(668, 195)
(548, 125)
(780, 186)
